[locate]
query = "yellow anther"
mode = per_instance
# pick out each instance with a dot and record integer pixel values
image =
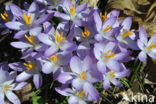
(125, 33)
(5, 17)
(59, 38)
(82, 75)
(86, 32)
(7, 87)
(107, 28)
(152, 45)
(103, 17)
(80, 94)
(31, 39)
(111, 55)
(27, 19)
(54, 58)
(112, 74)
(72, 10)
(29, 66)
(54, 0)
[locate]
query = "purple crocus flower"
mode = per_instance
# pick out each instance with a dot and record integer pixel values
(126, 37)
(7, 87)
(73, 12)
(104, 27)
(27, 21)
(53, 63)
(111, 77)
(147, 47)
(105, 55)
(75, 96)
(31, 68)
(56, 41)
(82, 73)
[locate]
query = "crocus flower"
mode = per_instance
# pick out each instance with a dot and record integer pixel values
(82, 73)
(31, 68)
(7, 87)
(75, 96)
(104, 27)
(106, 56)
(53, 63)
(4, 18)
(147, 47)
(126, 36)
(27, 21)
(73, 12)
(28, 45)
(56, 41)
(111, 77)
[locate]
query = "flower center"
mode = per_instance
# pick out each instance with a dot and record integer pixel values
(29, 65)
(5, 17)
(72, 10)
(103, 17)
(125, 33)
(54, 0)
(54, 58)
(59, 38)
(82, 75)
(80, 94)
(85, 33)
(112, 74)
(107, 28)
(152, 45)
(7, 87)
(27, 19)
(31, 39)
(107, 55)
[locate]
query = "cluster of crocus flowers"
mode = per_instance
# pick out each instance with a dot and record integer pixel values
(83, 48)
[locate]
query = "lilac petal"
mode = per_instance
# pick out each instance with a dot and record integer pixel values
(45, 38)
(43, 19)
(127, 23)
(64, 91)
(142, 56)
(140, 44)
(4, 75)
(33, 9)
(98, 48)
(114, 65)
(65, 77)
(143, 35)
(132, 44)
(35, 31)
(69, 46)
(81, 8)
(87, 63)
(76, 65)
(64, 57)
(98, 37)
(91, 91)
(109, 22)
(114, 13)
(20, 86)
(14, 25)
(51, 51)
(109, 46)
(83, 50)
(20, 45)
(122, 74)
(73, 100)
(16, 11)
(77, 83)
(12, 97)
(48, 67)
(101, 67)
(2, 98)
(152, 53)
(37, 79)
(106, 84)
(98, 21)
(82, 102)
(62, 16)
(116, 82)
(153, 39)
(23, 76)
(20, 34)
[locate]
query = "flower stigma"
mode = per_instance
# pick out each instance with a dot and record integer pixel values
(7, 87)
(152, 45)
(86, 32)
(72, 10)
(27, 19)
(107, 28)
(29, 66)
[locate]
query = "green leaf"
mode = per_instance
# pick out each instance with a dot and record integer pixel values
(37, 100)
(124, 82)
